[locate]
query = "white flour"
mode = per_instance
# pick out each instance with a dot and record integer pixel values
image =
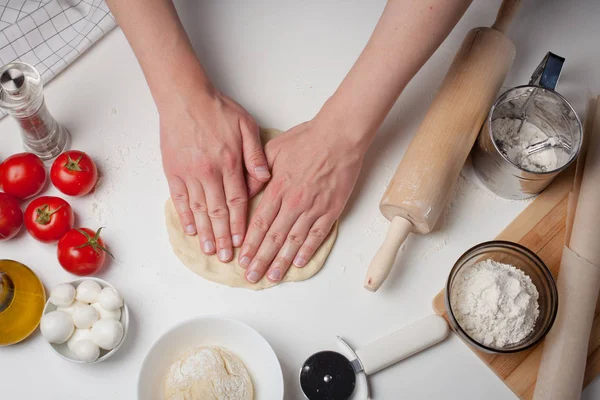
(495, 303)
(513, 146)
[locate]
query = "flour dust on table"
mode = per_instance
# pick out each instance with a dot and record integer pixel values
(208, 373)
(495, 303)
(187, 249)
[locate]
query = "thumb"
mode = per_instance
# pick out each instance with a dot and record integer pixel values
(253, 185)
(252, 150)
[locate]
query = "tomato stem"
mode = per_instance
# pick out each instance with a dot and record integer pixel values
(44, 214)
(94, 242)
(73, 165)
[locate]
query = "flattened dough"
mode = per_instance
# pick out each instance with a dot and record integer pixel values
(187, 249)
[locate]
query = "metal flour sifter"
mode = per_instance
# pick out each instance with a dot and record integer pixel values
(527, 124)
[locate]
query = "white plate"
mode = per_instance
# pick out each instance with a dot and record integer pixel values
(254, 351)
(63, 351)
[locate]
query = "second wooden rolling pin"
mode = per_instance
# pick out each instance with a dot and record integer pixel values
(564, 355)
(423, 181)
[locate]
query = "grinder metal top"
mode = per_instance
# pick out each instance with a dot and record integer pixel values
(20, 89)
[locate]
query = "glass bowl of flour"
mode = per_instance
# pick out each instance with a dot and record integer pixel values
(501, 297)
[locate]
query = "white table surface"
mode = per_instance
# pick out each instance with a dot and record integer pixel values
(281, 60)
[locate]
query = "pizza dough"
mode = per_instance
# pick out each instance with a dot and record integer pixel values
(208, 373)
(187, 249)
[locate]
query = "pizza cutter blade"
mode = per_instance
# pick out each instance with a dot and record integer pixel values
(328, 375)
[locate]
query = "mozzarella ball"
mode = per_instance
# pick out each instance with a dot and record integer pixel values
(88, 291)
(71, 308)
(62, 295)
(110, 299)
(85, 316)
(86, 350)
(107, 333)
(57, 326)
(78, 335)
(110, 314)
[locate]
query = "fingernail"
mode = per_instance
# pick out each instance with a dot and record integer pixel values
(190, 229)
(245, 261)
(209, 246)
(224, 254)
(253, 276)
(262, 172)
(275, 274)
(237, 240)
(299, 261)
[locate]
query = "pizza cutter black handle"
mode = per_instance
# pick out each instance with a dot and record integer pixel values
(402, 344)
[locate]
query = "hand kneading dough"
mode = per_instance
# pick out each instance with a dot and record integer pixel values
(208, 373)
(187, 249)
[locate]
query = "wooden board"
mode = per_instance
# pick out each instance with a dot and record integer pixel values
(541, 228)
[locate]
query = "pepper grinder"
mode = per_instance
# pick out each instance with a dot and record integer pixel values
(22, 97)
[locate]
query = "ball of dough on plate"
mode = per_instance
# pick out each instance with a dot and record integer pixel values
(208, 373)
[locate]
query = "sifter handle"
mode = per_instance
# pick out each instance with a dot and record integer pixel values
(402, 344)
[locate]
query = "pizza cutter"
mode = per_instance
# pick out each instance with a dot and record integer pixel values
(329, 375)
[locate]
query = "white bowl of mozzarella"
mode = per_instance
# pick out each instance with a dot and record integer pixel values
(85, 321)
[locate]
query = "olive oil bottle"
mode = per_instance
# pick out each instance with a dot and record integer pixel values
(22, 300)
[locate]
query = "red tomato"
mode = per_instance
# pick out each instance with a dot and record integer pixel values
(81, 251)
(74, 173)
(22, 175)
(11, 216)
(48, 218)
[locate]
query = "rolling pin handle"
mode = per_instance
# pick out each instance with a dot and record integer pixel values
(383, 261)
(506, 14)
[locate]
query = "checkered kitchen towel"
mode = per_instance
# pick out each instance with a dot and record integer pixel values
(50, 34)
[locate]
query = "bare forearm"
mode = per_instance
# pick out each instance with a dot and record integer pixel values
(161, 46)
(407, 34)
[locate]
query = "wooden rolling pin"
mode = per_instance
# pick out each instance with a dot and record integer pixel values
(564, 355)
(423, 181)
